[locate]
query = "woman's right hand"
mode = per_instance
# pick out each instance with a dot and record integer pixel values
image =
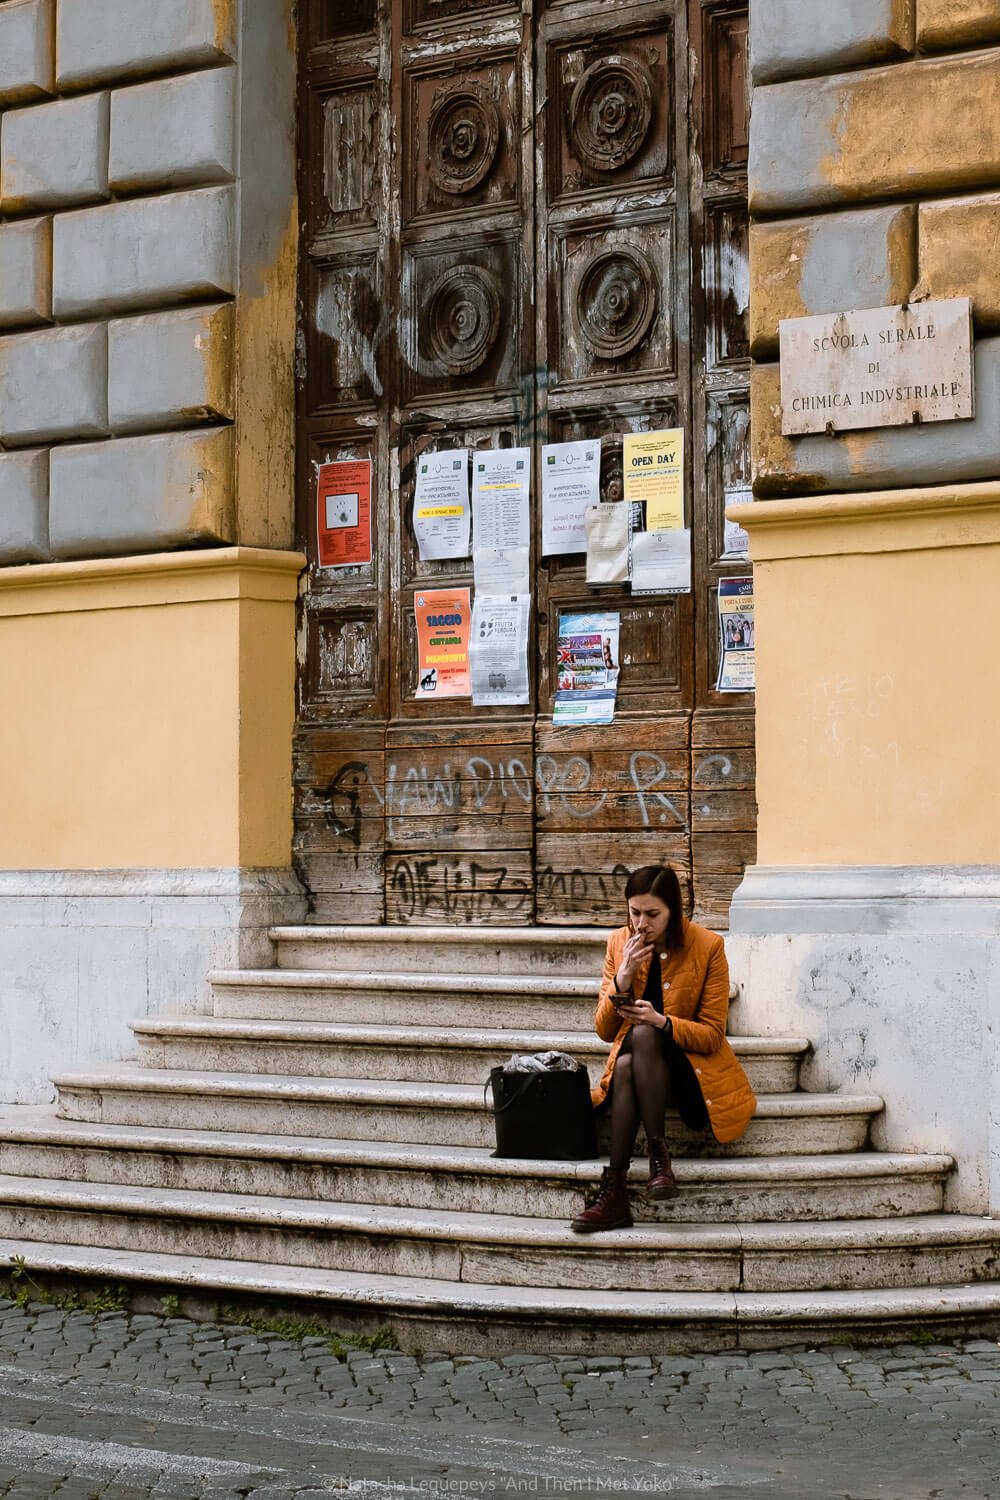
(636, 952)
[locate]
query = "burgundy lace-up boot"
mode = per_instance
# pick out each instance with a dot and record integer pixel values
(610, 1209)
(661, 1183)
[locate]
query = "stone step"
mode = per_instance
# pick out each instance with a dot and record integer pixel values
(380, 996)
(416, 1054)
(446, 1114)
(576, 952)
(34, 1142)
(505, 1250)
(480, 1319)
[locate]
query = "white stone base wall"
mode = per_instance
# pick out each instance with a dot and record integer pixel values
(83, 953)
(894, 975)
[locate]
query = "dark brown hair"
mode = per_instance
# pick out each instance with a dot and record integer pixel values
(660, 881)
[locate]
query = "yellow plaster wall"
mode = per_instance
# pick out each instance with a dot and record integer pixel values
(878, 719)
(148, 711)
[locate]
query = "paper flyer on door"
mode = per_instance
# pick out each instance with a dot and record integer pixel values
(654, 475)
(498, 649)
(607, 530)
(736, 636)
(736, 541)
(343, 513)
(571, 480)
(441, 518)
(661, 562)
(443, 621)
(587, 669)
(502, 570)
(501, 479)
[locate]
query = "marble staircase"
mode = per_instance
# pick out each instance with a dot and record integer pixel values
(320, 1141)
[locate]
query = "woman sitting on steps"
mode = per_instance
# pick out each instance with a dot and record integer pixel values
(663, 1003)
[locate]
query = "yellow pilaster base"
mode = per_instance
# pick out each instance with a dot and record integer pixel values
(148, 705)
(878, 641)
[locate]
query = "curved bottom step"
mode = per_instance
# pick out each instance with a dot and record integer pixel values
(484, 1319)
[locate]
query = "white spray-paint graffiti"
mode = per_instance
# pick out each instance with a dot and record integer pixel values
(477, 784)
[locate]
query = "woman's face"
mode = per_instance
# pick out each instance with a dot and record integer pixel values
(649, 917)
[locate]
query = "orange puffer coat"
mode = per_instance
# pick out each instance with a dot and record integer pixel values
(696, 998)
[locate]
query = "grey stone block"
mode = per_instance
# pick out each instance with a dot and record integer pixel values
(828, 262)
(883, 457)
(875, 134)
(54, 384)
(27, 50)
(145, 252)
(25, 273)
(170, 369)
(54, 154)
(24, 506)
(792, 40)
(97, 39)
(142, 494)
(174, 131)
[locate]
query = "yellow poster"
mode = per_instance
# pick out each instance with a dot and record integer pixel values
(654, 476)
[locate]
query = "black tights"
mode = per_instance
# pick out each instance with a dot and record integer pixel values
(640, 1089)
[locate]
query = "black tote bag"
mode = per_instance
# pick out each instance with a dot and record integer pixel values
(544, 1116)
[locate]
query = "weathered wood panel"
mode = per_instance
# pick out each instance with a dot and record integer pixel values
(724, 809)
(580, 878)
(434, 887)
(338, 777)
(501, 207)
(722, 768)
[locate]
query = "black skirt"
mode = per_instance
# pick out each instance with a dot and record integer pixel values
(684, 1085)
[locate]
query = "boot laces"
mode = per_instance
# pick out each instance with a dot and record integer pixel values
(606, 1190)
(659, 1158)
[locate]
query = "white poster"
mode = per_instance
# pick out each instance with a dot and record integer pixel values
(441, 504)
(587, 667)
(607, 542)
(571, 480)
(501, 570)
(736, 541)
(500, 485)
(661, 562)
(498, 649)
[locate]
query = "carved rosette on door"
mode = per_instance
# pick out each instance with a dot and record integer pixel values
(463, 134)
(521, 225)
(615, 301)
(610, 112)
(462, 317)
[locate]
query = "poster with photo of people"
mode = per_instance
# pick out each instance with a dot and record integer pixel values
(736, 635)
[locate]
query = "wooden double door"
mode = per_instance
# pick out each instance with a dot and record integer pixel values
(520, 224)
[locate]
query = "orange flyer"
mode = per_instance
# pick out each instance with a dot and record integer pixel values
(443, 626)
(344, 513)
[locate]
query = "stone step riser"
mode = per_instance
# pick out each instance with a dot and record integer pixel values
(457, 1192)
(404, 1007)
(388, 1062)
(583, 1266)
(470, 1320)
(424, 1125)
(409, 953)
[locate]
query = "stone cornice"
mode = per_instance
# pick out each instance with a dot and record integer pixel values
(151, 579)
(963, 515)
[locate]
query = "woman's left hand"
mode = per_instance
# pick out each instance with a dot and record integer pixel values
(640, 1012)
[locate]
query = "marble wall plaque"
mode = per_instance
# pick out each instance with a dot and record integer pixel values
(880, 367)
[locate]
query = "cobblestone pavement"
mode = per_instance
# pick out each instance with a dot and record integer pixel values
(113, 1407)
